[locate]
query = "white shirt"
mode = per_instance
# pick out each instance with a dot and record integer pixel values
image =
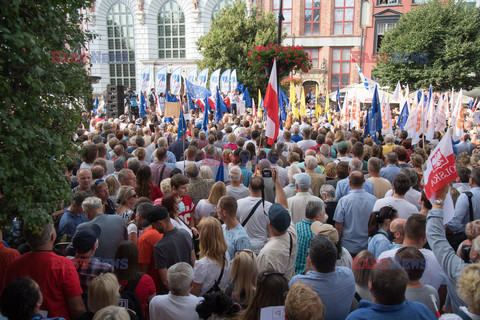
(204, 209)
(172, 307)
(306, 144)
(411, 196)
(275, 255)
(257, 226)
(344, 159)
(207, 271)
(433, 275)
(298, 203)
(181, 225)
(183, 164)
(404, 208)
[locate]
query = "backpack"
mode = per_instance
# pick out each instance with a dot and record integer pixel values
(129, 299)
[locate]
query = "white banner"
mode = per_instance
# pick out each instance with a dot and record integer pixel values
(161, 80)
(176, 81)
(214, 79)
(145, 75)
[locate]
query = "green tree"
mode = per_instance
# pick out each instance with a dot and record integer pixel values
(234, 32)
(40, 103)
(438, 43)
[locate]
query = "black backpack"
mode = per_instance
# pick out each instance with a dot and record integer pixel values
(129, 299)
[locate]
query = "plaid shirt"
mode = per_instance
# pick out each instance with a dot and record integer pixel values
(88, 268)
(202, 143)
(304, 235)
(156, 169)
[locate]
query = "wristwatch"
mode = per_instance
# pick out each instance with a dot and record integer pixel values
(439, 202)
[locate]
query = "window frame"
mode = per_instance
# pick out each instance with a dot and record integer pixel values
(170, 39)
(288, 23)
(343, 22)
(311, 22)
(334, 86)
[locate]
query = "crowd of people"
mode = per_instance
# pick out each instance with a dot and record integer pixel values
(216, 224)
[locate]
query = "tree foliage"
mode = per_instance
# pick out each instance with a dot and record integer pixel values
(40, 104)
(234, 32)
(438, 43)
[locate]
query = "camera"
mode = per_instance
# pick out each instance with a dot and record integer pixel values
(465, 253)
(266, 173)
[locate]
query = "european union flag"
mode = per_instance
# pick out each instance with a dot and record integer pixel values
(220, 174)
(182, 126)
(338, 98)
(196, 92)
(247, 99)
(239, 88)
(143, 105)
(95, 103)
(171, 98)
(402, 120)
(283, 103)
(205, 115)
(374, 117)
(220, 107)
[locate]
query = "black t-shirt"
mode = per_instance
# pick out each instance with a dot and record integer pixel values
(175, 246)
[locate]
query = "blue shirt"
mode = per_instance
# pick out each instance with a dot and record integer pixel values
(169, 159)
(390, 172)
(354, 211)
(379, 243)
(462, 213)
(236, 239)
(336, 289)
(304, 234)
(247, 175)
(406, 310)
(69, 222)
(296, 137)
(343, 188)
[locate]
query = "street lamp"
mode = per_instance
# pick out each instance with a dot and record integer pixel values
(280, 19)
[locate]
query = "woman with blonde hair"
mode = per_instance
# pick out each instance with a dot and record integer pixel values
(212, 271)
(206, 172)
(126, 198)
(243, 277)
(113, 185)
(112, 313)
(339, 136)
(207, 207)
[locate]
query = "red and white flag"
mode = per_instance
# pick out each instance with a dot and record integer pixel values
(271, 105)
(441, 168)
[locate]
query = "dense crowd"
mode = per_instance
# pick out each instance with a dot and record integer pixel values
(216, 224)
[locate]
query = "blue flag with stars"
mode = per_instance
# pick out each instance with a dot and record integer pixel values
(220, 175)
(143, 105)
(220, 107)
(247, 99)
(95, 103)
(205, 115)
(402, 120)
(182, 125)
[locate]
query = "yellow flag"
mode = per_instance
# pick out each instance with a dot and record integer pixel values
(260, 110)
(318, 108)
(303, 107)
(293, 98)
(327, 108)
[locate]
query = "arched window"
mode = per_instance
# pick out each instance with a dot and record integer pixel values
(121, 46)
(219, 6)
(171, 31)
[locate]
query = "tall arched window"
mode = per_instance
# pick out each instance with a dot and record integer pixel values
(219, 6)
(121, 46)
(171, 31)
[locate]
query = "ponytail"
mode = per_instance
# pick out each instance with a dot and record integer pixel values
(377, 218)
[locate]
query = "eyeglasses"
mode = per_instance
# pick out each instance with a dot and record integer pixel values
(133, 196)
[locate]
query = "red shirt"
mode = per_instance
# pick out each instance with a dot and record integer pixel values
(7, 256)
(186, 215)
(155, 192)
(145, 288)
(56, 276)
(145, 244)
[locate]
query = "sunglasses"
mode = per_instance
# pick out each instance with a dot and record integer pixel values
(98, 181)
(250, 252)
(133, 196)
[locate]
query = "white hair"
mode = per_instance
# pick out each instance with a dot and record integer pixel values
(292, 170)
(180, 277)
(311, 162)
(162, 142)
(235, 174)
(328, 190)
(91, 203)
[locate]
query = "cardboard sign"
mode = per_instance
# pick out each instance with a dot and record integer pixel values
(172, 109)
(241, 107)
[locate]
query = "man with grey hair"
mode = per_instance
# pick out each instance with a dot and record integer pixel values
(327, 193)
(380, 185)
(412, 195)
(126, 177)
(133, 164)
(113, 229)
(391, 170)
(73, 216)
(343, 186)
(263, 167)
(290, 190)
(298, 203)
(178, 303)
(318, 180)
(55, 275)
(236, 188)
(326, 151)
(198, 187)
(314, 211)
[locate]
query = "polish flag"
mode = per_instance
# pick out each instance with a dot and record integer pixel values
(200, 103)
(271, 105)
(441, 168)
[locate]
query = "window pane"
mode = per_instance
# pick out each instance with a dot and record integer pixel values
(287, 4)
(171, 33)
(308, 4)
(316, 15)
(315, 53)
(339, 3)
(316, 28)
(308, 29)
(335, 78)
(288, 16)
(276, 4)
(338, 14)
(348, 14)
(338, 28)
(345, 67)
(346, 54)
(348, 28)
(335, 67)
(308, 15)
(349, 3)
(288, 29)
(316, 3)
(345, 80)
(336, 54)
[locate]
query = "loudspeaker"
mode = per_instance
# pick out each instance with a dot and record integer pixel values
(115, 103)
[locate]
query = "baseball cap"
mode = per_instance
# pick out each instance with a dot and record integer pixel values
(303, 180)
(326, 229)
(85, 239)
(342, 146)
(279, 217)
(154, 214)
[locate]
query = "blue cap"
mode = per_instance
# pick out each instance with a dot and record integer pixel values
(303, 180)
(85, 239)
(279, 217)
